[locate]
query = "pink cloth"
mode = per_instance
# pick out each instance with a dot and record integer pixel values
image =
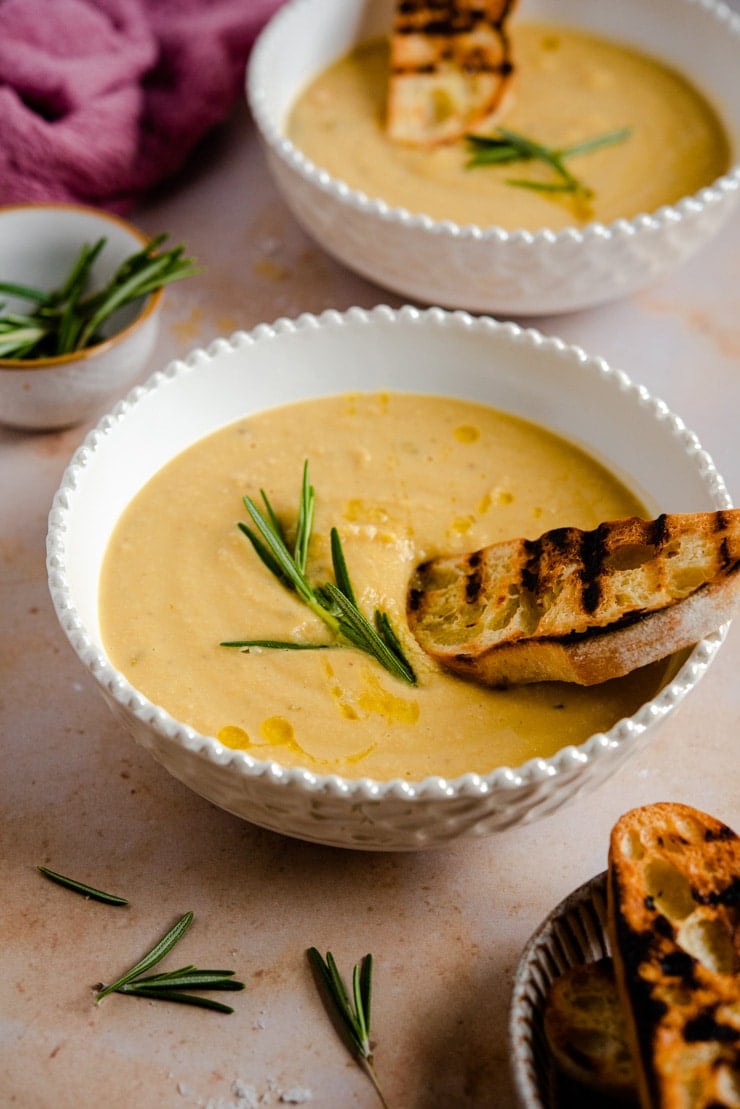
(102, 99)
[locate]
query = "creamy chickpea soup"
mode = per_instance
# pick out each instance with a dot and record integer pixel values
(403, 478)
(569, 87)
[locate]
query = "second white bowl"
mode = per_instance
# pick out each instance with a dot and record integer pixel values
(488, 269)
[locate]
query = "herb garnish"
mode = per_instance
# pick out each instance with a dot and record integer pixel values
(504, 147)
(353, 1018)
(168, 986)
(67, 319)
(334, 604)
(80, 887)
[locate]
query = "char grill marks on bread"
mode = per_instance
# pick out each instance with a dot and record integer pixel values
(450, 65)
(581, 606)
(674, 928)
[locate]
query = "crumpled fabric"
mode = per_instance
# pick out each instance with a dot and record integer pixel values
(100, 100)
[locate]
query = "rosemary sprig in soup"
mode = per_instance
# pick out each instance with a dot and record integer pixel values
(333, 602)
(504, 147)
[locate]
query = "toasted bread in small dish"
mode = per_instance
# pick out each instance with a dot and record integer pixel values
(585, 1031)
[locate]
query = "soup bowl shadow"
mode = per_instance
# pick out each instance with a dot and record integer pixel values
(409, 350)
(485, 268)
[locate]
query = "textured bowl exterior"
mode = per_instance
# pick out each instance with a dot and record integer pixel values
(488, 269)
(38, 246)
(573, 934)
(408, 350)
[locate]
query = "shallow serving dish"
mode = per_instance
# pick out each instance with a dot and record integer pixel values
(488, 269)
(574, 933)
(413, 351)
(39, 244)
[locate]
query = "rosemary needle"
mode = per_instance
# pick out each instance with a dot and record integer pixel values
(80, 887)
(353, 1015)
(176, 995)
(189, 976)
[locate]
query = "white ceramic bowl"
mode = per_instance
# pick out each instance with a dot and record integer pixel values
(573, 934)
(430, 351)
(38, 246)
(488, 269)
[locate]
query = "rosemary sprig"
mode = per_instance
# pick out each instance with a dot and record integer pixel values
(168, 986)
(70, 318)
(334, 603)
(80, 887)
(504, 147)
(353, 1015)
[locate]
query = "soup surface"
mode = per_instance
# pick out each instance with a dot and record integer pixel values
(403, 478)
(569, 87)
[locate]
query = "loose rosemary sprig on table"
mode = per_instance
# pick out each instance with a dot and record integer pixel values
(69, 318)
(80, 887)
(334, 603)
(354, 1015)
(504, 147)
(169, 985)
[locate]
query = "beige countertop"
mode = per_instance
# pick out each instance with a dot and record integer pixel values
(445, 928)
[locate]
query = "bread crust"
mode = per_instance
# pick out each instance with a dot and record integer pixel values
(579, 606)
(673, 910)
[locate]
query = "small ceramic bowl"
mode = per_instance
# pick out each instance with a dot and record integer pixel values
(486, 268)
(38, 246)
(412, 351)
(573, 934)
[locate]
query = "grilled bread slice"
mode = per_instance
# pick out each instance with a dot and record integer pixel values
(579, 606)
(673, 910)
(450, 66)
(585, 1031)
